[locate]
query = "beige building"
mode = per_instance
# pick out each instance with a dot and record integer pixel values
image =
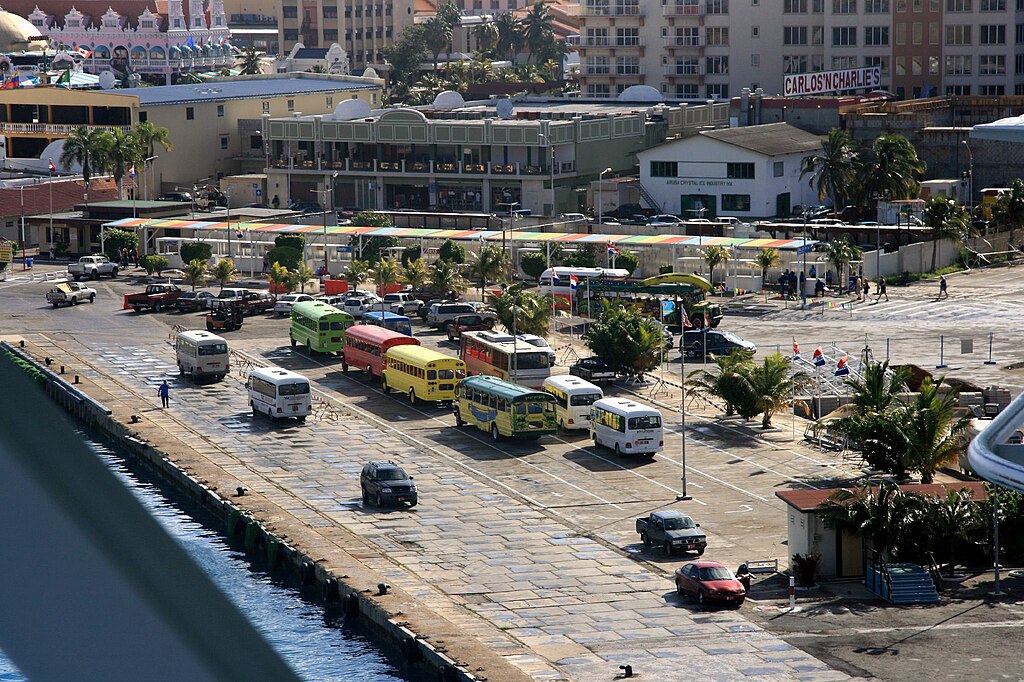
(714, 48)
(215, 128)
(362, 29)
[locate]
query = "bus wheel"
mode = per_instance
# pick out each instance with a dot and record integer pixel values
(293, 341)
(181, 370)
(458, 419)
(255, 412)
(384, 385)
(561, 425)
(344, 367)
(309, 347)
(495, 436)
(618, 452)
(412, 396)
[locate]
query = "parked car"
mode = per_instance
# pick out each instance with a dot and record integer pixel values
(92, 267)
(441, 313)
(182, 197)
(284, 304)
(628, 210)
(194, 301)
(593, 370)
(305, 207)
(428, 304)
(664, 220)
(468, 323)
(709, 582)
(357, 305)
(254, 302)
(672, 530)
(402, 303)
(573, 217)
(607, 220)
(70, 293)
(232, 293)
(387, 483)
(698, 343)
(155, 297)
(333, 300)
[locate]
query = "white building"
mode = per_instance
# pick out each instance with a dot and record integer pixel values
(750, 173)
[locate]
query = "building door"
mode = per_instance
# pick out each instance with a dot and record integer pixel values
(850, 559)
(698, 206)
(782, 206)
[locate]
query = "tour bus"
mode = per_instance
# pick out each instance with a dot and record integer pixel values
(319, 327)
(202, 354)
(573, 399)
(365, 346)
(279, 393)
(421, 373)
(501, 355)
(503, 409)
(626, 426)
(393, 321)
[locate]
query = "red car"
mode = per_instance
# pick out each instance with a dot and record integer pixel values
(710, 582)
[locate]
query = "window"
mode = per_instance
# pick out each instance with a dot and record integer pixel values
(331, 34)
(844, 36)
(755, 60)
(598, 90)
(736, 202)
(717, 6)
(817, 62)
(933, 65)
(220, 111)
(330, 12)
(598, 65)
(778, 169)
(664, 169)
(718, 65)
(688, 91)
(959, 90)
(330, 102)
(290, 12)
(223, 141)
(717, 91)
(629, 37)
(958, 35)
(755, 32)
(291, 105)
(958, 5)
(794, 35)
(991, 65)
(916, 68)
(992, 90)
(992, 35)
(901, 33)
(190, 113)
(844, 62)
(876, 6)
(958, 65)
(739, 171)
(718, 36)
(901, 66)
(1020, 34)
(1019, 64)
(266, 107)
(143, 116)
(817, 6)
(627, 66)
(876, 35)
(291, 34)
(794, 7)
(796, 63)
(993, 5)
(817, 35)
(917, 32)
(881, 62)
(844, 6)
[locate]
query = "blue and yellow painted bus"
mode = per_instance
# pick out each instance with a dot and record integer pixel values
(504, 409)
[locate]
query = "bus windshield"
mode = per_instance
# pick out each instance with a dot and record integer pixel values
(213, 349)
(300, 388)
(650, 422)
(531, 360)
(450, 374)
(332, 326)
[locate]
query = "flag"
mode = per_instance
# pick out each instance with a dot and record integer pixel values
(52, 168)
(191, 43)
(841, 368)
(65, 78)
(84, 52)
(819, 357)
(554, 277)
(796, 349)
(573, 282)
(14, 81)
(612, 250)
(131, 170)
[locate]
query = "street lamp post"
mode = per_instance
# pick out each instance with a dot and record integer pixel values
(970, 175)
(600, 181)
(326, 192)
(551, 168)
(682, 496)
(504, 237)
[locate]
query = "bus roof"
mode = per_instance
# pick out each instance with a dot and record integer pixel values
(568, 382)
(380, 335)
(200, 336)
(565, 271)
(314, 310)
(418, 355)
(500, 388)
(497, 340)
(377, 315)
(278, 375)
(626, 406)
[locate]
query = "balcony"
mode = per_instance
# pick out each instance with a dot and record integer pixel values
(611, 71)
(684, 42)
(610, 42)
(598, 9)
(683, 10)
(55, 129)
(684, 70)
(406, 167)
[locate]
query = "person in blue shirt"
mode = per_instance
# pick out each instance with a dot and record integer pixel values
(165, 394)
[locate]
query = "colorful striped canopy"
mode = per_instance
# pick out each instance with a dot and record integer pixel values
(466, 235)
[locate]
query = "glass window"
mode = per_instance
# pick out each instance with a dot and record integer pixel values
(876, 35)
(743, 171)
(431, 375)
(736, 202)
(648, 422)
(794, 35)
(294, 389)
(993, 35)
(844, 36)
(664, 169)
(778, 169)
(584, 399)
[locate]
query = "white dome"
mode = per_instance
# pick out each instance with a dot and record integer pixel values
(449, 99)
(370, 73)
(351, 109)
(641, 93)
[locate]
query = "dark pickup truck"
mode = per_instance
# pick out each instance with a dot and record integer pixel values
(254, 302)
(593, 370)
(468, 323)
(155, 297)
(672, 530)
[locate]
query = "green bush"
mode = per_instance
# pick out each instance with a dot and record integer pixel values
(411, 253)
(533, 263)
(114, 240)
(585, 257)
(291, 241)
(627, 261)
(191, 251)
(372, 219)
(665, 270)
(452, 252)
(286, 256)
(154, 264)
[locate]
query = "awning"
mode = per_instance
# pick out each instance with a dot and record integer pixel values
(470, 235)
(1004, 130)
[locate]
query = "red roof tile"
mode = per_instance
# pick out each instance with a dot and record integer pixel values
(66, 195)
(809, 500)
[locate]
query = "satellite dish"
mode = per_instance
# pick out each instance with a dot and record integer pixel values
(350, 110)
(641, 93)
(449, 99)
(503, 107)
(108, 80)
(370, 73)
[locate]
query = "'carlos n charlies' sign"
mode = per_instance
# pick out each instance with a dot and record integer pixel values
(832, 81)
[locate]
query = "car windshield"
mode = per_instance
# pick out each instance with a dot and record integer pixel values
(299, 388)
(213, 349)
(649, 422)
(715, 573)
(584, 399)
(392, 475)
(353, 301)
(678, 523)
(732, 337)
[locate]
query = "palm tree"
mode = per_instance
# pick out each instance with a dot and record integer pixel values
(935, 435)
(357, 272)
(224, 271)
(522, 311)
(879, 387)
(509, 40)
(86, 147)
(385, 273)
(773, 386)
(945, 220)
(416, 274)
(486, 35)
(302, 275)
(537, 30)
(955, 520)
(765, 259)
(280, 278)
(123, 151)
(195, 272)
(149, 136)
(883, 516)
(890, 175)
(488, 265)
(729, 382)
(451, 15)
(1008, 210)
(250, 63)
(190, 78)
(438, 34)
(832, 172)
(446, 277)
(715, 256)
(839, 253)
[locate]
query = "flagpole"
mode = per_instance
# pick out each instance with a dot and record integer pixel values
(50, 168)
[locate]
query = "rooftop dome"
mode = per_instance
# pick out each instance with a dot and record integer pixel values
(17, 33)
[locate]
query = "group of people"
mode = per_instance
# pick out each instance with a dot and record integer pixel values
(126, 258)
(862, 286)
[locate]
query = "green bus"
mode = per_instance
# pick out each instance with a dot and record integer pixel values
(319, 327)
(504, 409)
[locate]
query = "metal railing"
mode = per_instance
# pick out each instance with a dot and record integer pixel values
(53, 128)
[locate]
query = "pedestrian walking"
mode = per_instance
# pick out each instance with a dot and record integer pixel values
(880, 292)
(276, 202)
(857, 286)
(165, 394)
(866, 288)
(942, 287)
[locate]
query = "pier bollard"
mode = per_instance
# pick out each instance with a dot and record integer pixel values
(307, 573)
(76, 379)
(331, 593)
(62, 369)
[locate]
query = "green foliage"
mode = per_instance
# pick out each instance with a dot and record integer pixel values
(1011, 521)
(890, 175)
(154, 264)
(195, 272)
(833, 171)
(286, 256)
(301, 277)
(191, 251)
(385, 273)
(805, 568)
(357, 273)
(373, 248)
(584, 257)
(445, 276)
(281, 277)
(766, 259)
(715, 256)
(879, 387)
(627, 340)
(945, 220)
(533, 263)
(531, 312)
(411, 253)
(224, 271)
(114, 240)
(250, 61)
(886, 517)
(839, 253)
(773, 385)
(372, 219)
(452, 252)
(290, 241)
(728, 381)
(488, 265)
(627, 261)
(1008, 210)
(416, 274)
(405, 56)
(666, 270)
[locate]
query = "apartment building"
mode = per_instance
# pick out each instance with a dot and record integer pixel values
(715, 48)
(363, 28)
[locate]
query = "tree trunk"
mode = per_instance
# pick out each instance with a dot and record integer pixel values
(935, 252)
(766, 420)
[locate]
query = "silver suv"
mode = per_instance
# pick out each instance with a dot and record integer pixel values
(442, 313)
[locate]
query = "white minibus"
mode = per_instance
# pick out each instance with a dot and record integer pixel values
(278, 393)
(573, 400)
(202, 354)
(626, 426)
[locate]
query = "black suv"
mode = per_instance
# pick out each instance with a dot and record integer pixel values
(386, 483)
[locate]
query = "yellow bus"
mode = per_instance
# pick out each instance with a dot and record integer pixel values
(503, 409)
(320, 327)
(421, 373)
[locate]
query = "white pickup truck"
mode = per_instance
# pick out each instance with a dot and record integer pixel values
(70, 293)
(92, 267)
(402, 303)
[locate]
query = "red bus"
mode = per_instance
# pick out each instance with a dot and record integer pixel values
(366, 344)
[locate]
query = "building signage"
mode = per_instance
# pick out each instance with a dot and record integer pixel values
(833, 81)
(6, 252)
(700, 183)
